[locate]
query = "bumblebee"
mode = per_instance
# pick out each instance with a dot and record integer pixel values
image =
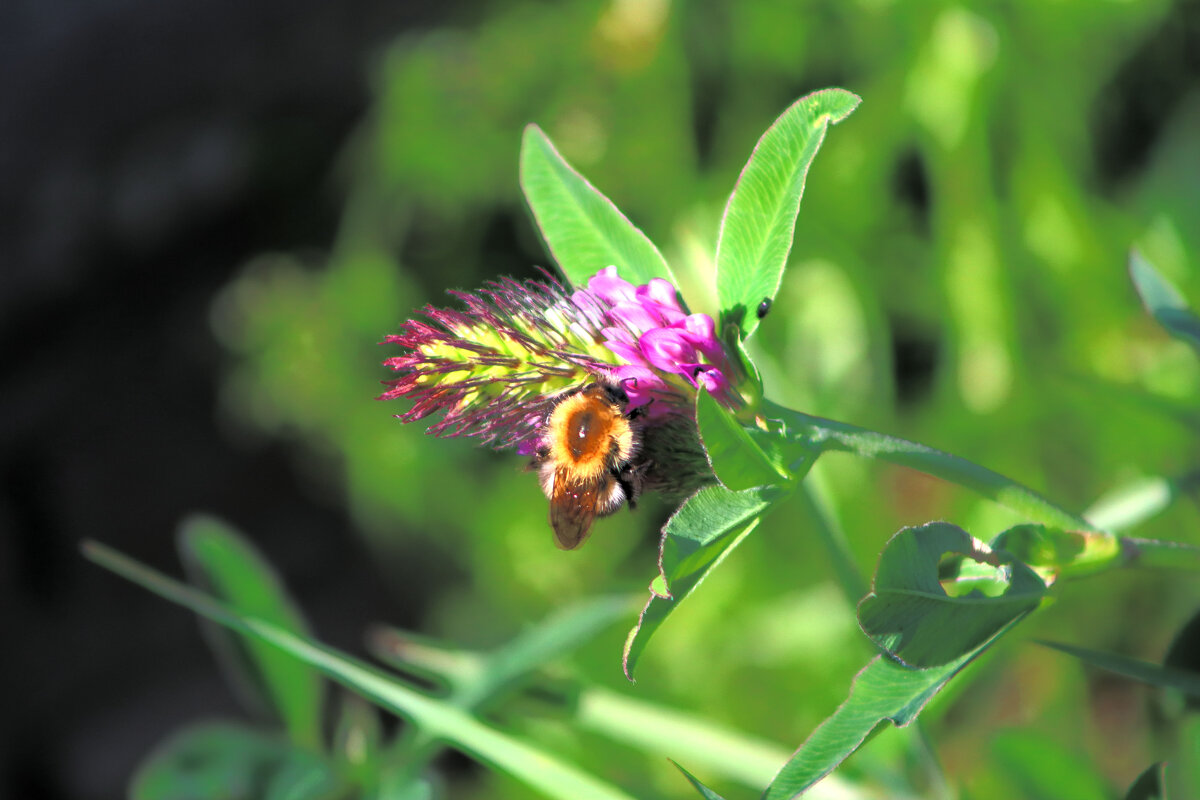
(590, 459)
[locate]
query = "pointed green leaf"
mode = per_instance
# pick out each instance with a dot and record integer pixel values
(1184, 653)
(738, 460)
(696, 539)
(232, 762)
(884, 691)
(911, 616)
(220, 561)
(760, 217)
(1146, 672)
(1149, 785)
(705, 792)
(583, 229)
(540, 770)
(1164, 301)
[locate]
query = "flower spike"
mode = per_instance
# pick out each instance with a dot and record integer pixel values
(497, 368)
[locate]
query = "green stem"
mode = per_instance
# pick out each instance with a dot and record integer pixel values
(825, 434)
(1155, 553)
(437, 719)
(850, 579)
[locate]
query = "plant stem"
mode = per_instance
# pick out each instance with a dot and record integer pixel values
(825, 434)
(1155, 553)
(850, 579)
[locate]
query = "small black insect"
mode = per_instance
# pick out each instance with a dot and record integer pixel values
(764, 307)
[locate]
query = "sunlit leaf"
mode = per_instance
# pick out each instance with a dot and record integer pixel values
(760, 217)
(695, 540)
(234, 763)
(739, 460)
(884, 691)
(1164, 301)
(223, 563)
(910, 615)
(1060, 552)
(583, 229)
(537, 768)
(1143, 671)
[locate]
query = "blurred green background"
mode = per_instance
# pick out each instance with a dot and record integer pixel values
(958, 278)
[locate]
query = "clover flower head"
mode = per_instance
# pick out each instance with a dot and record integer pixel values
(496, 368)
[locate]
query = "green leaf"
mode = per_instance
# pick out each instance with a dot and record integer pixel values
(760, 217)
(1045, 769)
(1164, 301)
(221, 562)
(1149, 785)
(747, 378)
(884, 691)
(357, 740)
(828, 435)
(813, 498)
(912, 617)
(476, 679)
(738, 460)
(235, 763)
(655, 729)
(537, 768)
(696, 539)
(1184, 653)
(1183, 776)
(1184, 681)
(705, 792)
(1054, 551)
(558, 634)
(583, 229)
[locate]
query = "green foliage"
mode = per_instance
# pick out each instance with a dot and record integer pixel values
(741, 458)
(1043, 769)
(1149, 785)
(1164, 301)
(916, 621)
(581, 227)
(1164, 677)
(221, 562)
(435, 718)
(229, 761)
(884, 691)
(756, 231)
(705, 792)
(697, 538)
(955, 281)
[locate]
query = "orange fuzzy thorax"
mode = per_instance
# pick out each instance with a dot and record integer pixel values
(588, 435)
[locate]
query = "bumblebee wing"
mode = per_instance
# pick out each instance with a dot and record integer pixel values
(572, 510)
